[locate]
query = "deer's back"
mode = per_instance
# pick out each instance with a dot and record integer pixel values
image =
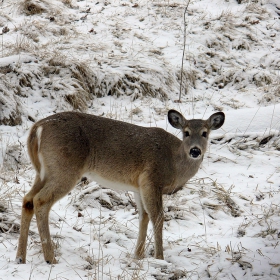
(113, 149)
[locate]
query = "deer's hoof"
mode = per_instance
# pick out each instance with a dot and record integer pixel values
(54, 261)
(19, 260)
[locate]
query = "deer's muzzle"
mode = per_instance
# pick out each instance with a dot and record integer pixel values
(195, 152)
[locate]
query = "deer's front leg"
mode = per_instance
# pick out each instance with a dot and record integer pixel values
(152, 201)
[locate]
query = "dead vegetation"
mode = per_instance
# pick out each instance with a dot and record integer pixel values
(75, 83)
(7, 225)
(10, 108)
(96, 196)
(36, 7)
(226, 201)
(250, 142)
(33, 7)
(131, 85)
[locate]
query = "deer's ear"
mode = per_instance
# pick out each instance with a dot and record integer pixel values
(176, 119)
(216, 120)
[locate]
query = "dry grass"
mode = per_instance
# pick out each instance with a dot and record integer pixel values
(32, 7)
(271, 92)
(9, 190)
(224, 197)
(9, 104)
(36, 7)
(8, 225)
(68, 3)
(131, 85)
(189, 79)
(250, 142)
(22, 44)
(76, 81)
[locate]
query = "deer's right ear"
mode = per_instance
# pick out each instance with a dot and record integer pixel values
(176, 119)
(216, 120)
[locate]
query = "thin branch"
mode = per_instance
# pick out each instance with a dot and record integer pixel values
(184, 47)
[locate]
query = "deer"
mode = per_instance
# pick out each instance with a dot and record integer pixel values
(148, 161)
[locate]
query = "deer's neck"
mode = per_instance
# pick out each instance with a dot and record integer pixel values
(186, 166)
(184, 169)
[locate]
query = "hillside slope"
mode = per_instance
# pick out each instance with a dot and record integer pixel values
(122, 59)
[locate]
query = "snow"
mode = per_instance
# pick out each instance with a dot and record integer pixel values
(122, 60)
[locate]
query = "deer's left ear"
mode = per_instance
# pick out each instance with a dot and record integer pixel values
(216, 120)
(176, 119)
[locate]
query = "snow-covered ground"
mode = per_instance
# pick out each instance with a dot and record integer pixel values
(122, 59)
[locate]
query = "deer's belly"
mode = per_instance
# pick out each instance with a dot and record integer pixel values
(107, 183)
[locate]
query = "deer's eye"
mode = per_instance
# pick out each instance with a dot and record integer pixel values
(204, 134)
(187, 133)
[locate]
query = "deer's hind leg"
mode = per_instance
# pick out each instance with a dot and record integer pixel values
(53, 190)
(143, 225)
(26, 216)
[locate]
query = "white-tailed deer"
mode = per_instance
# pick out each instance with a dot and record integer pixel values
(148, 161)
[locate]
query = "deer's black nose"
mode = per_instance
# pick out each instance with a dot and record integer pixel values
(195, 152)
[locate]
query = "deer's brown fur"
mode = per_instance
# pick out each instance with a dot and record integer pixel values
(148, 161)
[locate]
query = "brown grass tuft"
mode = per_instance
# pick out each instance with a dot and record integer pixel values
(32, 7)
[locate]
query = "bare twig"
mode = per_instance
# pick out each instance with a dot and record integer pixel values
(184, 47)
